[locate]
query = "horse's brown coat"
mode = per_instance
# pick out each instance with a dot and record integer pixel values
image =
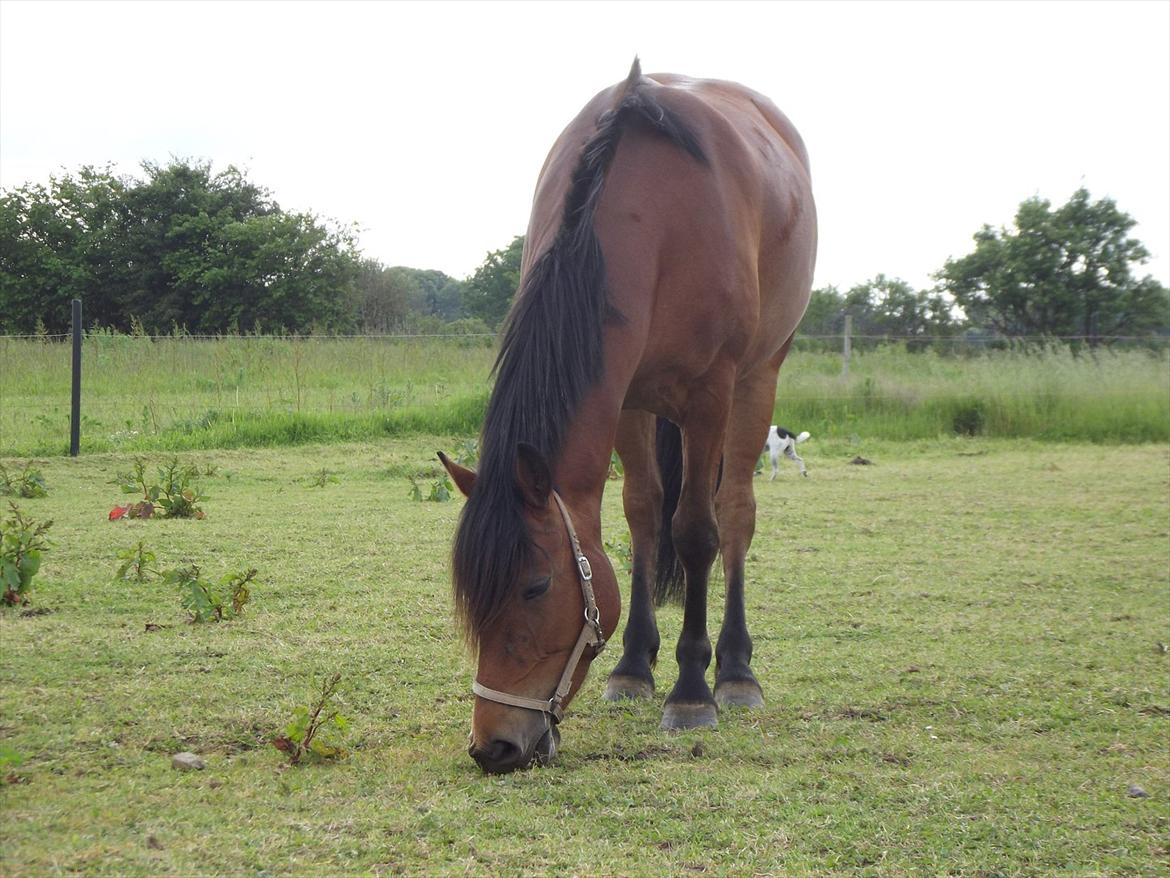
(708, 267)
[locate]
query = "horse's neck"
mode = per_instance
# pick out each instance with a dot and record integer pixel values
(582, 466)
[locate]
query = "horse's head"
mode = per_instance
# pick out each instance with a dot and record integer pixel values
(538, 610)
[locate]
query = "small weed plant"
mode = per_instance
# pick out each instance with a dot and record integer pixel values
(620, 550)
(441, 490)
(28, 484)
(308, 736)
(22, 542)
(10, 759)
(210, 602)
(468, 455)
(322, 478)
(616, 470)
(137, 564)
(175, 495)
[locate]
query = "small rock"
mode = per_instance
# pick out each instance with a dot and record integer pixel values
(187, 762)
(1136, 792)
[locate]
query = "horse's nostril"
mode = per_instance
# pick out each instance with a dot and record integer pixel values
(499, 755)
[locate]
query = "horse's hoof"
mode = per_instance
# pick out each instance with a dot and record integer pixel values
(621, 687)
(739, 693)
(689, 716)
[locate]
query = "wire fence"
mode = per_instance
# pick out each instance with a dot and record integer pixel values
(136, 385)
(1005, 340)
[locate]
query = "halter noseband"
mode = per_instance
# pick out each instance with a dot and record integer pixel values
(591, 635)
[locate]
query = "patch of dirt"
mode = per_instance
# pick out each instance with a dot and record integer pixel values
(645, 753)
(866, 713)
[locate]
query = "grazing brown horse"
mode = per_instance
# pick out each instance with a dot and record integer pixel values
(668, 261)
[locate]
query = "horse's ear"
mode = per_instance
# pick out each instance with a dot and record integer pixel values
(463, 477)
(533, 477)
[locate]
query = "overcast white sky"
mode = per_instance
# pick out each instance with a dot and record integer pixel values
(426, 124)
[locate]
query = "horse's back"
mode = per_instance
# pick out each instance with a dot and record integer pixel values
(705, 260)
(764, 194)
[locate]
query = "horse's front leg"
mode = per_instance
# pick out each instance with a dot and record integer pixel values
(632, 677)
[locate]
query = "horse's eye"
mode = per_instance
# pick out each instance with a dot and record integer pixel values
(536, 588)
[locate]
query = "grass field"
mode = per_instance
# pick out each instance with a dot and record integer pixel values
(962, 647)
(190, 394)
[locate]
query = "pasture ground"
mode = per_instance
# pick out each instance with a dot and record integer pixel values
(962, 648)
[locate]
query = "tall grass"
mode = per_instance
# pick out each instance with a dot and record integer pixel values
(1048, 393)
(182, 393)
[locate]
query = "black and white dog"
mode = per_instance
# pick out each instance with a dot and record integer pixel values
(781, 440)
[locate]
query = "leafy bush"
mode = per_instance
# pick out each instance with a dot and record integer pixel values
(969, 418)
(22, 541)
(176, 494)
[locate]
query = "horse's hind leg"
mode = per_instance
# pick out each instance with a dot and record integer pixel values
(696, 542)
(735, 506)
(642, 497)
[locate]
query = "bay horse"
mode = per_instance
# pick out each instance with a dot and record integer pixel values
(668, 260)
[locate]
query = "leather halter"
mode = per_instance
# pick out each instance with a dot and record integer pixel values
(591, 635)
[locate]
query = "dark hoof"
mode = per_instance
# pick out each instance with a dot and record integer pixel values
(689, 716)
(621, 687)
(739, 693)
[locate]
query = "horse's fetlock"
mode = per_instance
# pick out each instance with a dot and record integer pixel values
(694, 651)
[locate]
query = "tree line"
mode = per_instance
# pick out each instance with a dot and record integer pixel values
(181, 246)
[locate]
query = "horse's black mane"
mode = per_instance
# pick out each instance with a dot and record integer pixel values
(550, 355)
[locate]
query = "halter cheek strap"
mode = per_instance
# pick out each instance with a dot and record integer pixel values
(591, 635)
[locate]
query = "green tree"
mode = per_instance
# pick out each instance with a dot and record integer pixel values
(381, 298)
(488, 293)
(1062, 272)
(57, 243)
(890, 306)
(431, 293)
(824, 313)
(181, 247)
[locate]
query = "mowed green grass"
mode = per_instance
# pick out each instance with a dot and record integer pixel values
(959, 645)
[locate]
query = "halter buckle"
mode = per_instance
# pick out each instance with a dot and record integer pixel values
(584, 568)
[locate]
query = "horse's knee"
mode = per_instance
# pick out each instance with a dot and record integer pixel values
(643, 508)
(696, 541)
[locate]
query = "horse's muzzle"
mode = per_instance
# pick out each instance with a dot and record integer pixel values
(501, 756)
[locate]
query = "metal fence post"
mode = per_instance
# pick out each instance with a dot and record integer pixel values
(75, 417)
